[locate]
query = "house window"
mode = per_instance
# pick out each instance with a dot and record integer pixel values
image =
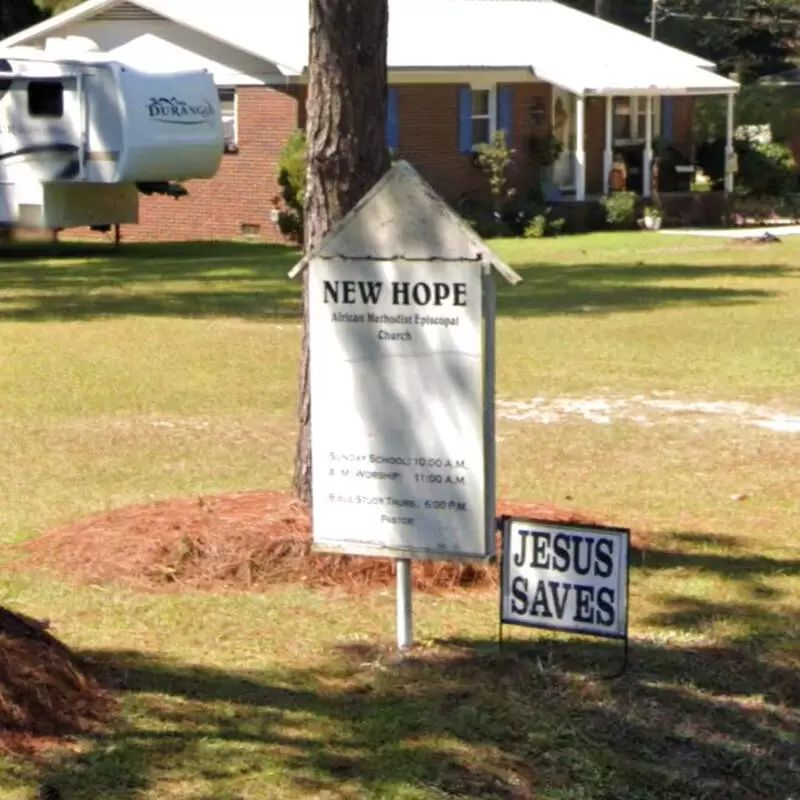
(483, 116)
(630, 119)
(228, 109)
(46, 99)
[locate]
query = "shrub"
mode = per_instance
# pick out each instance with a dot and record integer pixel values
(620, 210)
(764, 169)
(767, 169)
(537, 227)
(292, 180)
(494, 159)
(544, 224)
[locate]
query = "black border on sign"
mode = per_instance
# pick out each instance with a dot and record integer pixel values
(505, 527)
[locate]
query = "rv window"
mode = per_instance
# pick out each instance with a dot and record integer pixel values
(227, 102)
(46, 99)
(5, 83)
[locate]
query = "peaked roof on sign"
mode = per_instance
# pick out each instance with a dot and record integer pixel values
(402, 217)
(566, 47)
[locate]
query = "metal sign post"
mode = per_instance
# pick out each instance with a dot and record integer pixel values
(405, 635)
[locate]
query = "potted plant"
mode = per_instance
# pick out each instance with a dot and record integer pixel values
(653, 218)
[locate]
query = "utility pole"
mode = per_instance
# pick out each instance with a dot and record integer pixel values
(600, 8)
(653, 12)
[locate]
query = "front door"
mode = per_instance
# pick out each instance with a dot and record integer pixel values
(564, 107)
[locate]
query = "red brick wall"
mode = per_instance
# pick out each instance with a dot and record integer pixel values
(428, 138)
(682, 135)
(595, 143)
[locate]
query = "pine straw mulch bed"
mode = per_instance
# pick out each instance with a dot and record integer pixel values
(242, 541)
(46, 691)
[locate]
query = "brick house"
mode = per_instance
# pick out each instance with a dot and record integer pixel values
(458, 71)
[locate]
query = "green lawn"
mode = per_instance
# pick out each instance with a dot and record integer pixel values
(170, 371)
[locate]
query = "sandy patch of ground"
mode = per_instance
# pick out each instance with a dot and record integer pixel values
(658, 409)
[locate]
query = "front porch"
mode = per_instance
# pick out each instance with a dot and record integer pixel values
(633, 134)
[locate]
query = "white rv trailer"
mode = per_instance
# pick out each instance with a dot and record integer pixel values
(82, 136)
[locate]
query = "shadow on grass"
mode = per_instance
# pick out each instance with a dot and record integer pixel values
(605, 288)
(183, 280)
(250, 280)
(457, 719)
(723, 565)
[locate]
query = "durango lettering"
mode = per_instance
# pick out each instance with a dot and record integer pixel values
(172, 109)
(403, 293)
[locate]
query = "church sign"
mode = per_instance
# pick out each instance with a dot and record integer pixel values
(401, 332)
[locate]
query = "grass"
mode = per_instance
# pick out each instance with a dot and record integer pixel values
(170, 371)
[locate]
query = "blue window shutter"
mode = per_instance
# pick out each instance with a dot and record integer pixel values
(392, 120)
(505, 111)
(667, 119)
(465, 120)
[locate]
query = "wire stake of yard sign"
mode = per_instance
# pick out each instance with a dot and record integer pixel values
(568, 578)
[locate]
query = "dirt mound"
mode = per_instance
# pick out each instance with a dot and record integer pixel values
(237, 541)
(45, 690)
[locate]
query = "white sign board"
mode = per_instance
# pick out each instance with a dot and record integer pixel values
(565, 578)
(397, 408)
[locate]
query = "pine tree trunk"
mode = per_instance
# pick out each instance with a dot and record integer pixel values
(347, 153)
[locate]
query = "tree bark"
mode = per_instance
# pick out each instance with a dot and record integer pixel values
(346, 141)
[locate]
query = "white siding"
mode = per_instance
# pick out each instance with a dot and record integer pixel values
(230, 66)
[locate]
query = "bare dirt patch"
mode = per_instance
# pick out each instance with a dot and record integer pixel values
(243, 541)
(46, 691)
(662, 408)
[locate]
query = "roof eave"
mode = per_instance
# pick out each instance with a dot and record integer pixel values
(90, 8)
(76, 14)
(695, 91)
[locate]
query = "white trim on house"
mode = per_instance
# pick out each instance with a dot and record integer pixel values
(491, 110)
(229, 108)
(647, 78)
(78, 13)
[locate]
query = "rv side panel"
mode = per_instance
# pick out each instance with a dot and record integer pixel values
(104, 137)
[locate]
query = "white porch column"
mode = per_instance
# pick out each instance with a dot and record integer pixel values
(608, 154)
(729, 149)
(580, 149)
(647, 159)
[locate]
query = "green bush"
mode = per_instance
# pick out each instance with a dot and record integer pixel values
(292, 180)
(764, 169)
(544, 224)
(767, 169)
(621, 211)
(537, 227)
